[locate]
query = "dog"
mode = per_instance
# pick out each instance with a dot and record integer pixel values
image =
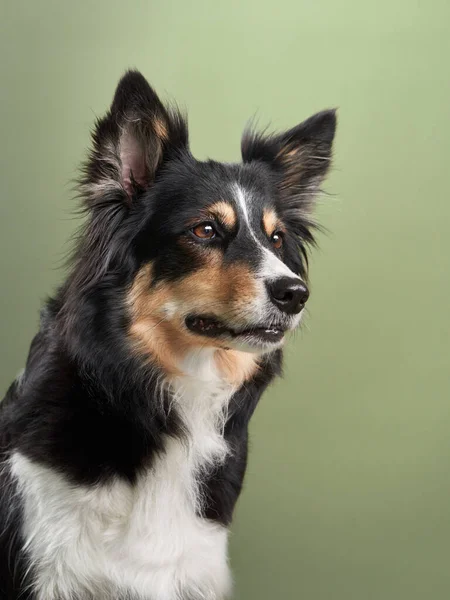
(124, 441)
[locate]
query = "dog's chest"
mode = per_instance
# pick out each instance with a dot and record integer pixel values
(145, 540)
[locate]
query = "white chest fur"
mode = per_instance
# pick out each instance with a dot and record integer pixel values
(145, 540)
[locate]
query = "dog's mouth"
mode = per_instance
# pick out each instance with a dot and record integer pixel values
(212, 327)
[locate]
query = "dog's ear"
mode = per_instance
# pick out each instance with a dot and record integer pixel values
(301, 157)
(130, 143)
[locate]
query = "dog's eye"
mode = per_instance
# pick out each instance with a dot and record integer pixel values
(204, 231)
(277, 239)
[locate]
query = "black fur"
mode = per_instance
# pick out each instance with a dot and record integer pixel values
(85, 405)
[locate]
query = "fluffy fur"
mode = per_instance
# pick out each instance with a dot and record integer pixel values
(124, 442)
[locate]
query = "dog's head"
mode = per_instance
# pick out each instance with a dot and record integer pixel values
(207, 254)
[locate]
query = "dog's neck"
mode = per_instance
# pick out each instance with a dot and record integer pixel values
(204, 365)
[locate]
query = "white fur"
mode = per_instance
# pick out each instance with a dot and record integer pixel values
(272, 267)
(19, 377)
(97, 542)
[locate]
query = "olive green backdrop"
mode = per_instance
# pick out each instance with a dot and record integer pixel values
(348, 489)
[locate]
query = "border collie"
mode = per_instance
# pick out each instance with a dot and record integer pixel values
(124, 442)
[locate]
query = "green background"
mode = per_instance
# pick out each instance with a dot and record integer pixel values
(348, 489)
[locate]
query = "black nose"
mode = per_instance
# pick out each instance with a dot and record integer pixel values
(288, 294)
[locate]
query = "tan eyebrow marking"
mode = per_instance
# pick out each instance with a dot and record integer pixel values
(224, 212)
(271, 222)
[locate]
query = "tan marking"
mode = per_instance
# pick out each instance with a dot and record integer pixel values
(225, 213)
(160, 129)
(150, 332)
(272, 223)
(236, 367)
(221, 211)
(291, 154)
(293, 159)
(215, 288)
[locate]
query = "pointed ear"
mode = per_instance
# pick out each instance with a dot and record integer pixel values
(131, 142)
(301, 156)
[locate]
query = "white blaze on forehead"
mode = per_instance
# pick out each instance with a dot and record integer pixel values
(241, 198)
(272, 267)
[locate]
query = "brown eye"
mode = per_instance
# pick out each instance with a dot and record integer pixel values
(277, 239)
(204, 231)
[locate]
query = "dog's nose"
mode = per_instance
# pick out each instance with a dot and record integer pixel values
(288, 294)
